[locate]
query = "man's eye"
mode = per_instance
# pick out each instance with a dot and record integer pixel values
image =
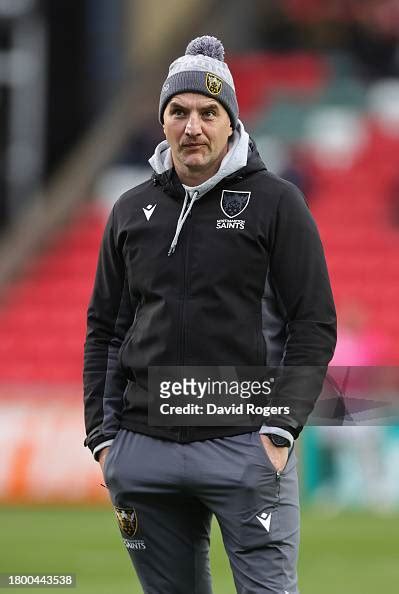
(210, 113)
(178, 112)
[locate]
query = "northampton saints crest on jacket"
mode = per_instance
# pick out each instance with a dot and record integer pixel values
(213, 83)
(127, 520)
(234, 203)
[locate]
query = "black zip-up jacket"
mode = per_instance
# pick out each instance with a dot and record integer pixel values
(228, 295)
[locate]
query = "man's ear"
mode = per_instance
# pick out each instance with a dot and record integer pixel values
(231, 131)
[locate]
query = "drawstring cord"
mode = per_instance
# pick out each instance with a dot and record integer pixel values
(182, 218)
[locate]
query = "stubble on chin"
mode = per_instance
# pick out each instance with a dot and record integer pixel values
(194, 159)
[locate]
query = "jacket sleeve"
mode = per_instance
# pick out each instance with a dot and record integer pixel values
(300, 279)
(110, 314)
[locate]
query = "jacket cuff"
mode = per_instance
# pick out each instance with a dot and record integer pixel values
(96, 438)
(100, 447)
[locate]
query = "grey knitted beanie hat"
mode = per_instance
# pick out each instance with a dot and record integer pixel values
(201, 70)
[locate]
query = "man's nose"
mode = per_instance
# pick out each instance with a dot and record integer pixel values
(193, 127)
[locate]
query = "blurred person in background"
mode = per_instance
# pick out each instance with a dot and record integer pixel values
(213, 261)
(368, 29)
(373, 37)
(297, 172)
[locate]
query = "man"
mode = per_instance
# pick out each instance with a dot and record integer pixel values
(213, 262)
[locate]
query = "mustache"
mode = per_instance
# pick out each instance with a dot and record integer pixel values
(194, 144)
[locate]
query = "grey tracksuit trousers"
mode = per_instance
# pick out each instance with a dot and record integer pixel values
(165, 493)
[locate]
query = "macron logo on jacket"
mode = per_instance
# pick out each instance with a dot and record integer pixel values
(148, 210)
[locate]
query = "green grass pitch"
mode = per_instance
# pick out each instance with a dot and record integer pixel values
(349, 553)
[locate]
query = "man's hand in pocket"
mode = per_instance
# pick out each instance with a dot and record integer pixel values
(102, 456)
(277, 456)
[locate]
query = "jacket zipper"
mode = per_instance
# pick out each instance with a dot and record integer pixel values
(183, 431)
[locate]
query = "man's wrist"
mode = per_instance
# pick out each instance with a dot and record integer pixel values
(278, 441)
(266, 430)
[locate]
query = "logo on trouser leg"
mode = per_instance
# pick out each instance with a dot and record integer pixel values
(265, 519)
(127, 520)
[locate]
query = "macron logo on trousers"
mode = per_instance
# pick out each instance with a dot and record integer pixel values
(265, 520)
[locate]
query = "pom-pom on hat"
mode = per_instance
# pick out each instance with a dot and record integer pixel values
(201, 70)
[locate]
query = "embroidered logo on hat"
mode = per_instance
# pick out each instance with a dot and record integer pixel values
(213, 83)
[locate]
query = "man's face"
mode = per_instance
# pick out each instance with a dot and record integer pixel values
(197, 129)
